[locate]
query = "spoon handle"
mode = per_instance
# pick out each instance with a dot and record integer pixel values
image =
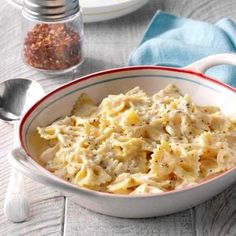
(16, 205)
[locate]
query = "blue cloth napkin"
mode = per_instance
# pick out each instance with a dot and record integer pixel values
(177, 42)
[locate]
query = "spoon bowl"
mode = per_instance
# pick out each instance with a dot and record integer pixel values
(16, 95)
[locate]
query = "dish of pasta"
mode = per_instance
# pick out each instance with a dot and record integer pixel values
(135, 143)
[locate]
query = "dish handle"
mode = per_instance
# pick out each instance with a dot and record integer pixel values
(19, 160)
(204, 64)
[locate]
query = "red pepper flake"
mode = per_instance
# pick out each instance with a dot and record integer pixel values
(52, 47)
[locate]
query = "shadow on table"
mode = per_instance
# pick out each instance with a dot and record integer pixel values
(91, 65)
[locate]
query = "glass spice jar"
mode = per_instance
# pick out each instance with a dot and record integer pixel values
(52, 35)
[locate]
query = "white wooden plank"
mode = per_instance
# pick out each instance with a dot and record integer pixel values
(205, 10)
(37, 193)
(80, 222)
(47, 205)
(47, 219)
(217, 216)
(115, 49)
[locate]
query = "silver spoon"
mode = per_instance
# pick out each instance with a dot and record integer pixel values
(16, 96)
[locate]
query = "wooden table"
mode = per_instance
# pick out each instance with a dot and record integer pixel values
(108, 44)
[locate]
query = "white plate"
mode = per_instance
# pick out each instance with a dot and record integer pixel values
(99, 10)
(108, 9)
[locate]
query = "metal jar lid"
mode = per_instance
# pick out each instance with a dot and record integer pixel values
(50, 10)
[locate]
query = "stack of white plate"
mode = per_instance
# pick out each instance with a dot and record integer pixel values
(99, 10)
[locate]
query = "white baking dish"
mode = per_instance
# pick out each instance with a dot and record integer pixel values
(203, 90)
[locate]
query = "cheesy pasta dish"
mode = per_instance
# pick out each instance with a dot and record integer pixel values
(134, 143)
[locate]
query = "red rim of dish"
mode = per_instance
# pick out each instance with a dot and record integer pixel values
(115, 70)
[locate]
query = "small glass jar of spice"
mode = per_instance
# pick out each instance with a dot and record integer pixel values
(52, 35)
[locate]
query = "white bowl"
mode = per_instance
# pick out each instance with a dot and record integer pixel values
(204, 90)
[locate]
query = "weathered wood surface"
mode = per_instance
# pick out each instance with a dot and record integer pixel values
(96, 224)
(107, 45)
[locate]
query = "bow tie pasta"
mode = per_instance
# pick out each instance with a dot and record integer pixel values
(135, 144)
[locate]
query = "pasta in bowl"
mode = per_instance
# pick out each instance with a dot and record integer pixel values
(133, 143)
(137, 157)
